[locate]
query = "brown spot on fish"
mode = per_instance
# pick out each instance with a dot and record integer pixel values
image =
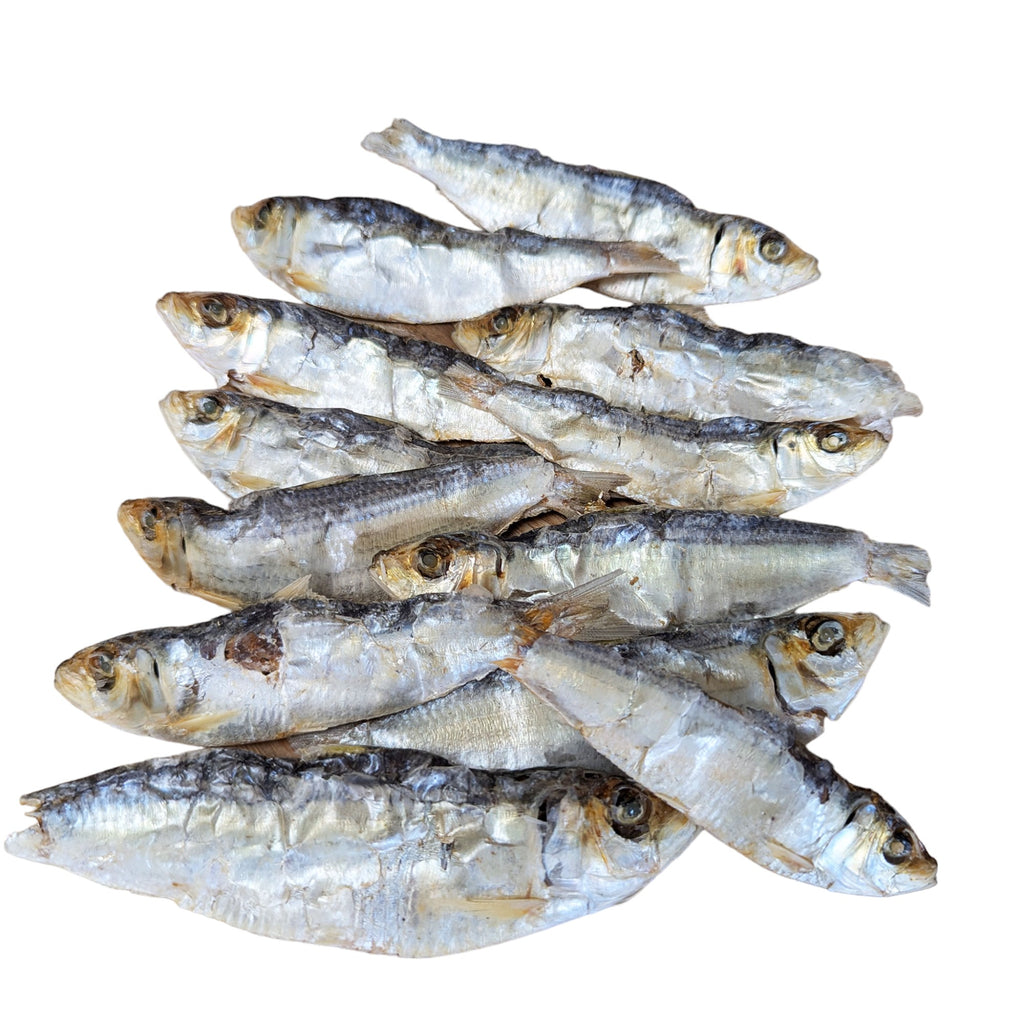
(545, 382)
(259, 650)
(637, 361)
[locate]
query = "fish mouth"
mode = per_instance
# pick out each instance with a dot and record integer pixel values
(74, 685)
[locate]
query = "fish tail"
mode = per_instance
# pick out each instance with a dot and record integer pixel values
(580, 614)
(902, 567)
(398, 142)
(909, 405)
(638, 258)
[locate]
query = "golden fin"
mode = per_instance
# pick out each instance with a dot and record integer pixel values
(246, 482)
(265, 385)
(202, 723)
(790, 858)
(300, 588)
(298, 279)
(461, 383)
(572, 613)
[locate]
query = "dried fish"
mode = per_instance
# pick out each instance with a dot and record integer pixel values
(297, 666)
(315, 359)
(243, 443)
(720, 257)
(680, 567)
(658, 360)
(797, 668)
(734, 464)
(742, 777)
(328, 532)
(372, 258)
(379, 850)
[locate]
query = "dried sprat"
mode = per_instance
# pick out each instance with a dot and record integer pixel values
(719, 257)
(328, 532)
(679, 567)
(386, 851)
(372, 258)
(658, 360)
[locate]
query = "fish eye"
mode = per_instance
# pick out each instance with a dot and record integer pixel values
(262, 215)
(773, 247)
(148, 521)
(503, 320)
(214, 312)
(208, 409)
(629, 810)
(899, 846)
(431, 564)
(827, 637)
(101, 668)
(833, 440)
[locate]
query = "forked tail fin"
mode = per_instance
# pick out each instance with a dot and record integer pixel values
(900, 566)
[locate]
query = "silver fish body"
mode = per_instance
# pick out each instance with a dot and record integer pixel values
(331, 530)
(244, 443)
(315, 359)
(742, 777)
(734, 464)
(658, 360)
(796, 668)
(382, 851)
(719, 257)
(679, 567)
(287, 667)
(376, 259)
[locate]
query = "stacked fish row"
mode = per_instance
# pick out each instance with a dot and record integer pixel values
(512, 610)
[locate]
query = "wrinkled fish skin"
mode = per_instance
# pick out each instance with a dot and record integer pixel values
(659, 360)
(243, 443)
(734, 464)
(297, 666)
(311, 358)
(797, 668)
(330, 531)
(680, 567)
(372, 258)
(742, 777)
(383, 851)
(720, 257)
(491, 723)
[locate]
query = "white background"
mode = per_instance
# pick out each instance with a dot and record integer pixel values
(880, 137)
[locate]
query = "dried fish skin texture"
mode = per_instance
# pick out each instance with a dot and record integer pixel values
(315, 359)
(389, 852)
(733, 464)
(743, 778)
(491, 723)
(376, 259)
(653, 359)
(680, 567)
(242, 443)
(720, 257)
(287, 667)
(798, 668)
(330, 531)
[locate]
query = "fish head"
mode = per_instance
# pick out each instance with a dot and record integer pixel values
(265, 232)
(876, 853)
(815, 457)
(519, 335)
(441, 565)
(156, 528)
(819, 661)
(226, 334)
(626, 836)
(753, 261)
(207, 422)
(118, 682)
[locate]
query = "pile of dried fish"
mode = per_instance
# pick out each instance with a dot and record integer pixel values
(512, 610)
